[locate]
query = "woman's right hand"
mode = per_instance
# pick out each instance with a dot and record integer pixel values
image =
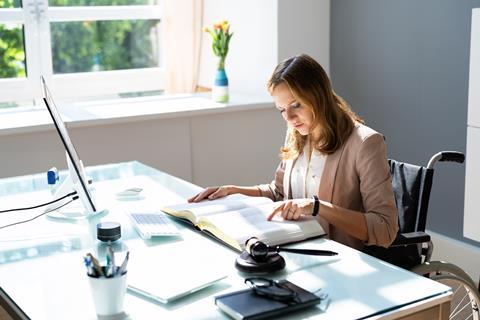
(211, 193)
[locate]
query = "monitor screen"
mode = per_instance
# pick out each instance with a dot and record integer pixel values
(77, 176)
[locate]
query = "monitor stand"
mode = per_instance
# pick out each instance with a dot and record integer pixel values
(76, 210)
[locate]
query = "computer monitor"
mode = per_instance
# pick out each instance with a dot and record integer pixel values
(76, 179)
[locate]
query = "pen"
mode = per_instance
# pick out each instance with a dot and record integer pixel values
(96, 265)
(88, 264)
(108, 269)
(111, 266)
(123, 267)
(314, 252)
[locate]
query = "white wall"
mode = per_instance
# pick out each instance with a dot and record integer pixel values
(208, 149)
(253, 46)
(236, 148)
(265, 33)
(147, 141)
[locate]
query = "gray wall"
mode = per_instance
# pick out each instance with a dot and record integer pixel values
(403, 66)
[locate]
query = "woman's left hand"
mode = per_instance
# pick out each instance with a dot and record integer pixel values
(293, 209)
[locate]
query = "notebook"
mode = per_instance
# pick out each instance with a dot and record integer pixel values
(165, 272)
(246, 305)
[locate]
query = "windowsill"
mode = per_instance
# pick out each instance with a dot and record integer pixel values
(128, 110)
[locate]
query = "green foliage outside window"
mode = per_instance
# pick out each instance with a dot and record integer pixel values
(9, 3)
(102, 45)
(84, 46)
(12, 55)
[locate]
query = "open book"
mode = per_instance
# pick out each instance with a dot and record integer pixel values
(234, 219)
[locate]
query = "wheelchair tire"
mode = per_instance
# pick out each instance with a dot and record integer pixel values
(465, 299)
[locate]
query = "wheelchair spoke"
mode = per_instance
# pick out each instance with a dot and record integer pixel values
(459, 304)
(461, 309)
(469, 317)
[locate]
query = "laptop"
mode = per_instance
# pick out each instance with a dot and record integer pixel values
(166, 272)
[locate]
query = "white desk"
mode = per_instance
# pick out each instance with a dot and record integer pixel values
(41, 261)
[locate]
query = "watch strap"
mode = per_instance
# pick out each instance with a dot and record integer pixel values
(316, 205)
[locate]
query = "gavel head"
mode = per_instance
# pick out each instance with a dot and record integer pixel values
(256, 249)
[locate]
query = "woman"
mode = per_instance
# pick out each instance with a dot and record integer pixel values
(333, 166)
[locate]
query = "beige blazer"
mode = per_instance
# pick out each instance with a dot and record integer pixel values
(355, 177)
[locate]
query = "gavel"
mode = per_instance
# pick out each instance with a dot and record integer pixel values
(259, 250)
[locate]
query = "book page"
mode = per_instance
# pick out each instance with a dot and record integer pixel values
(208, 207)
(239, 225)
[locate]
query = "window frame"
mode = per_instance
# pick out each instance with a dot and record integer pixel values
(36, 16)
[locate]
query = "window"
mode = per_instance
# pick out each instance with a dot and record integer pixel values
(101, 46)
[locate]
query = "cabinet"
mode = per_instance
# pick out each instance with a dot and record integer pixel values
(471, 219)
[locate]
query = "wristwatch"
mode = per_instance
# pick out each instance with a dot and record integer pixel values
(316, 205)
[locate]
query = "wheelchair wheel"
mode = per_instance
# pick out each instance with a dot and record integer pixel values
(466, 298)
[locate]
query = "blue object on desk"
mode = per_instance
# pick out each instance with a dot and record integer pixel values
(52, 176)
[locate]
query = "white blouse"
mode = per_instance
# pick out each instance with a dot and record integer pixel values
(307, 173)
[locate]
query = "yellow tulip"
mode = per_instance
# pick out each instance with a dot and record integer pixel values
(225, 27)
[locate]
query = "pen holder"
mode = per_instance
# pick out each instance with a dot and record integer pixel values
(108, 293)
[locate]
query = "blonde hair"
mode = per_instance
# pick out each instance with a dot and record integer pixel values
(311, 87)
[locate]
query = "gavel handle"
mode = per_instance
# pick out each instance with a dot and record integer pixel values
(312, 252)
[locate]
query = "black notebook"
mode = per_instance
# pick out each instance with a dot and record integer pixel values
(247, 305)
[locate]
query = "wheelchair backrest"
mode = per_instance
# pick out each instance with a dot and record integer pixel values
(411, 187)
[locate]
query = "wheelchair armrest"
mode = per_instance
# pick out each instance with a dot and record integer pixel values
(409, 238)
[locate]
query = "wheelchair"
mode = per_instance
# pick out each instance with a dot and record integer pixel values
(412, 248)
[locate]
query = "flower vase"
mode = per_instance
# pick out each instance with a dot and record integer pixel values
(220, 86)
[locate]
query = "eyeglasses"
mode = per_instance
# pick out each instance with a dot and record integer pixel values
(272, 289)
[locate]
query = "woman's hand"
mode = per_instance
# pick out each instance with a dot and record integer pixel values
(293, 209)
(211, 193)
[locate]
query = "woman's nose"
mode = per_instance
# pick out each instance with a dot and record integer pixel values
(289, 114)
